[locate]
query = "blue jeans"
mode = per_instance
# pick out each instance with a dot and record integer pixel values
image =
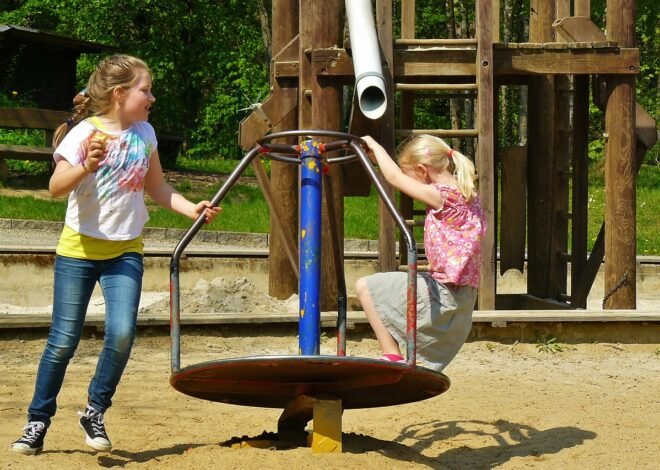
(120, 279)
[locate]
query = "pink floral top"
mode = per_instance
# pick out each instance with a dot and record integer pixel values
(452, 238)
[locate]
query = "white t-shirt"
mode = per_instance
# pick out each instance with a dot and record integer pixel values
(109, 203)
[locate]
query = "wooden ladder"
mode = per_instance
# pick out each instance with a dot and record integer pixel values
(481, 89)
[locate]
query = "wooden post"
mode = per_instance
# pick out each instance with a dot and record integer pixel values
(326, 20)
(620, 199)
(282, 280)
(386, 236)
(540, 151)
(560, 179)
(407, 19)
(406, 116)
(580, 194)
(486, 151)
(496, 20)
(582, 8)
(514, 209)
(305, 12)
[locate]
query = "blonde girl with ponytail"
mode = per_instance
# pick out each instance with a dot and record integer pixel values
(443, 179)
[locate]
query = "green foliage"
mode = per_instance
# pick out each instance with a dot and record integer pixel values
(548, 344)
(206, 56)
(32, 137)
(209, 59)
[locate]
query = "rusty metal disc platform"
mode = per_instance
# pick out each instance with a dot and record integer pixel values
(275, 381)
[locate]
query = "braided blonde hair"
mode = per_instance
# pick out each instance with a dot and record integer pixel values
(119, 70)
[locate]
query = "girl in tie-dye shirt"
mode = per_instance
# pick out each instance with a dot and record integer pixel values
(104, 164)
(431, 172)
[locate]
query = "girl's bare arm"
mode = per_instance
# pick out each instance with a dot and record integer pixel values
(166, 196)
(415, 189)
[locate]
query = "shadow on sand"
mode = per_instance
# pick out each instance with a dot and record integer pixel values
(502, 441)
(492, 444)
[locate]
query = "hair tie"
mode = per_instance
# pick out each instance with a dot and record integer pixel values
(70, 122)
(450, 153)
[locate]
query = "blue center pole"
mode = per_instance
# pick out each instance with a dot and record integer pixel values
(311, 181)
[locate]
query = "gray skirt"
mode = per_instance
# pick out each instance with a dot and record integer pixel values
(444, 314)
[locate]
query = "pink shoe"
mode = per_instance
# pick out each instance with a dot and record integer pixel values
(393, 358)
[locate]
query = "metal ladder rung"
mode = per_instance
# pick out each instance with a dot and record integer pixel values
(435, 86)
(439, 132)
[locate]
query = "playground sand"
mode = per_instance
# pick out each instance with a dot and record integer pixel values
(509, 406)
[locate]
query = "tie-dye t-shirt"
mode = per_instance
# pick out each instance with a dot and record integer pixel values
(109, 203)
(452, 238)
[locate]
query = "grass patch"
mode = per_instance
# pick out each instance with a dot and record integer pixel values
(218, 166)
(29, 207)
(648, 201)
(245, 210)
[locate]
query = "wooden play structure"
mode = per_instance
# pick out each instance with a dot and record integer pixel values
(541, 188)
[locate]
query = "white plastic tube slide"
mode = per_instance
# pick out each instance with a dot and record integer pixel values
(369, 79)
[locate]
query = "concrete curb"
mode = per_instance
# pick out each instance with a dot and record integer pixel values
(235, 239)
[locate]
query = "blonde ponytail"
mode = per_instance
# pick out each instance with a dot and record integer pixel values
(465, 174)
(433, 151)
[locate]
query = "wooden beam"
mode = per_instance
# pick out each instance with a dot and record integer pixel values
(326, 113)
(562, 8)
(580, 187)
(541, 111)
(513, 229)
(283, 271)
(303, 69)
(486, 151)
(586, 281)
(407, 19)
(32, 118)
(577, 28)
(496, 20)
(411, 64)
(570, 61)
(560, 185)
(386, 232)
(620, 198)
(280, 105)
(277, 219)
(452, 42)
(406, 118)
(582, 8)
